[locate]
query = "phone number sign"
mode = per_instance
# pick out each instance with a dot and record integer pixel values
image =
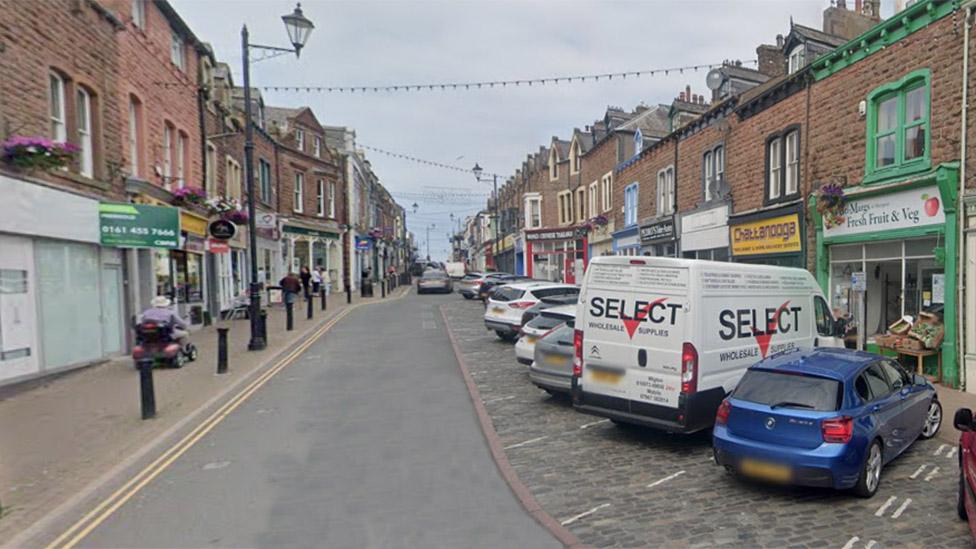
(138, 225)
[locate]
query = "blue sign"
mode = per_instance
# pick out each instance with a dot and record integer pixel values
(363, 243)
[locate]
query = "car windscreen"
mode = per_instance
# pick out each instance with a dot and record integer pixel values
(545, 322)
(507, 293)
(781, 390)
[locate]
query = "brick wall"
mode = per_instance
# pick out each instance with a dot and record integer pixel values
(691, 151)
(644, 171)
(597, 162)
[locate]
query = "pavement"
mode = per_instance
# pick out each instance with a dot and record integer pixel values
(59, 435)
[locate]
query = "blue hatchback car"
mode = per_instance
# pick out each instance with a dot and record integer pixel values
(824, 417)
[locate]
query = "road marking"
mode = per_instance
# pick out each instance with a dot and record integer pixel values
(951, 453)
(942, 447)
(870, 544)
(665, 479)
(215, 465)
(884, 507)
(499, 399)
(430, 325)
(588, 425)
(901, 509)
(84, 526)
(929, 476)
(918, 471)
(520, 444)
(584, 514)
(850, 543)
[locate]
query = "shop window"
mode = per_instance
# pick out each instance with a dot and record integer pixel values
(665, 191)
(70, 309)
(898, 127)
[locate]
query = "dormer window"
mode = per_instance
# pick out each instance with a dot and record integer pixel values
(575, 158)
(797, 58)
(300, 139)
(638, 142)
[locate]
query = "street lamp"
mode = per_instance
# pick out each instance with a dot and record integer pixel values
(477, 171)
(429, 227)
(298, 28)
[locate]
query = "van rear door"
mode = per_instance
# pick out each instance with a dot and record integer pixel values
(634, 322)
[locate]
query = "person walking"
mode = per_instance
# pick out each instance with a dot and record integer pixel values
(290, 285)
(306, 277)
(317, 280)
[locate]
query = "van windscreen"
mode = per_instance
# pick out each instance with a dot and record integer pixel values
(781, 390)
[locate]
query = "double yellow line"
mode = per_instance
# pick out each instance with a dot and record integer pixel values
(79, 530)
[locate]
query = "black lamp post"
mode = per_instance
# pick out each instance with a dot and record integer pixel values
(477, 171)
(429, 227)
(298, 28)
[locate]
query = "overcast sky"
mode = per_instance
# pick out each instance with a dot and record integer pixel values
(406, 42)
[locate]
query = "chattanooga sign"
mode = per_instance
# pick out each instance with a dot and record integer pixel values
(768, 236)
(899, 210)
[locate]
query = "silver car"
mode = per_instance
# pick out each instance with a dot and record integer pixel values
(552, 369)
(435, 281)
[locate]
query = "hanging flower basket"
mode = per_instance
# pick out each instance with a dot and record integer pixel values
(237, 217)
(229, 209)
(31, 153)
(600, 220)
(831, 204)
(189, 195)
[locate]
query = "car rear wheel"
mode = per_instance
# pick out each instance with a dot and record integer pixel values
(961, 499)
(505, 336)
(466, 296)
(933, 420)
(870, 479)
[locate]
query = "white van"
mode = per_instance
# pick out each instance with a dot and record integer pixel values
(661, 341)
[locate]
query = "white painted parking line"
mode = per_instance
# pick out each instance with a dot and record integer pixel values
(931, 474)
(850, 543)
(918, 471)
(588, 425)
(884, 506)
(430, 325)
(901, 509)
(499, 399)
(952, 453)
(571, 520)
(870, 544)
(520, 444)
(665, 479)
(938, 451)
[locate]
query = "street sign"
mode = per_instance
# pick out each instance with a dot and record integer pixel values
(221, 229)
(858, 282)
(266, 220)
(138, 225)
(362, 244)
(217, 246)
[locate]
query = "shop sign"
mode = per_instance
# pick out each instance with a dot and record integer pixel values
(221, 229)
(705, 229)
(138, 226)
(564, 234)
(774, 235)
(193, 223)
(266, 220)
(658, 230)
(194, 243)
(363, 243)
(899, 210)
(217, 246)
(292, 229)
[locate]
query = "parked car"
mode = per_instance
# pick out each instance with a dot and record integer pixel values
(538, 326)
(434, 281)
(552, 367)
(966, 498)
(503, 311)
(661, 341)
(417, 267)
(548, 303)
(492, 280)
(824, 417)
(469, 284)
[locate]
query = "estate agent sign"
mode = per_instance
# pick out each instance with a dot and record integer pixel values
(900, 210)
(138, 225)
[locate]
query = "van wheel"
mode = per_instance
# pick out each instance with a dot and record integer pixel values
(961, 498)
(870, 478)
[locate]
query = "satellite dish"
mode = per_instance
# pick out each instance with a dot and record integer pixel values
(714, 79)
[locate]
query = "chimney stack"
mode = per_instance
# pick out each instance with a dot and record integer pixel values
(681, 96)
(688, 92)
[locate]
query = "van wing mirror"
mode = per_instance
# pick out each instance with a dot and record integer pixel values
(963, 420)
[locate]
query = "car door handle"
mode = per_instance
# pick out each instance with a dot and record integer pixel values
(876, 408)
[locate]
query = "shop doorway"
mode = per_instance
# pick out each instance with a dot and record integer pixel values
(112, 324)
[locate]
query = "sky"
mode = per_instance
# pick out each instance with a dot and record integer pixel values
(372, 43)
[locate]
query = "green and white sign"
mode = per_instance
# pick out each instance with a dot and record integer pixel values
(898, 210)
(138, 225)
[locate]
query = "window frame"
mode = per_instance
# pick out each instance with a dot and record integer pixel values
(575, 159)
(177, 50)
(210, 172)
(317, 147)
(580, 204)
(712, 169)
(181, 150)
(606, 191)
(232, 178)
(665, 191)
(565, 203)
(592, 198)
(332, 199)
(631, 192)
(781, 163)
(264, 168)
(529, 211)
(139, 14)
(320, 198)
(58, 124)
(798, 53)
(168, 144)
(921, 78)
(638, 142)
(300, 139)
(84, 131)
(135, 135)
(298, 193)
(553, 164)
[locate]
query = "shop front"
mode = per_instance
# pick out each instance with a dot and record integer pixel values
(519, 255)
(505, 255)
(314, 248)
(271, 265)
(771, 237)
(659, 238)
(627, 241)
(231, 269)
(187, 269)
(894, 249)
(601, 240)
(559, 255)
(705, 234)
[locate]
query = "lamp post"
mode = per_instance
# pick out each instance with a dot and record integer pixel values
(429, 227)
(494, 221)
(298, 28)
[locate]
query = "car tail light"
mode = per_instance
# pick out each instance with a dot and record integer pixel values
(138, 351)
(837, 429)
(689, 369)
(722, 416)
(521, 304)
(577, 353)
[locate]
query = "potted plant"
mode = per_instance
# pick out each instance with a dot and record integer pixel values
(189, 195)
(31, 153)
(831, 204)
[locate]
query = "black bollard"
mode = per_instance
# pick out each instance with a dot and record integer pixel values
(348, 294)
(323, 299)
(222, 350)
(289, 316)
(382, 288)
(263, 318)
(308, 300)
(146, 391)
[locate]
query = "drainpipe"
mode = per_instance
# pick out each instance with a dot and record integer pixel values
(969, 7)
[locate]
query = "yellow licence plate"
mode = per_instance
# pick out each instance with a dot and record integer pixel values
(766, 471)
(554, 360)
(531, 339)
(497, 310)
(603, 376)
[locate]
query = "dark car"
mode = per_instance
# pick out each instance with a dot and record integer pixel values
(434, 281)
(827, 417)
(497, 279)
(552, 367)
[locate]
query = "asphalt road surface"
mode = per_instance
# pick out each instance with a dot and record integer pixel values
(368, 440)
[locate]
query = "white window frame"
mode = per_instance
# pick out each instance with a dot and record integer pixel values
(797, 58)
(299, 194)
(709, 174)
(135, 166)
(792, 172)
(574, 159)
(332, 199)
(232, 178)
(774, 151)
(593, 199)
(300, 139)
(580, 204)
(630, 203)
(59, 126)
(665, 191)
(606, 191)
(168, 154)
(210, 177)
(180, 159)
(139, 13)
(86, 156)
(553, 165)
(177, 50)
(533, 208)
(638, 142)
(317, 147)
(320, 198)
(565, 199)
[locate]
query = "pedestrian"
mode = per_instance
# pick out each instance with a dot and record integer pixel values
(317, 280)
(290, 285)
(306, 277)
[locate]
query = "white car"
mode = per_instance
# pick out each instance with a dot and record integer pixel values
(547, 321)
(503, 311)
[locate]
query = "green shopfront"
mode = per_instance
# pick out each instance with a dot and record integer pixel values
(903, 236)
